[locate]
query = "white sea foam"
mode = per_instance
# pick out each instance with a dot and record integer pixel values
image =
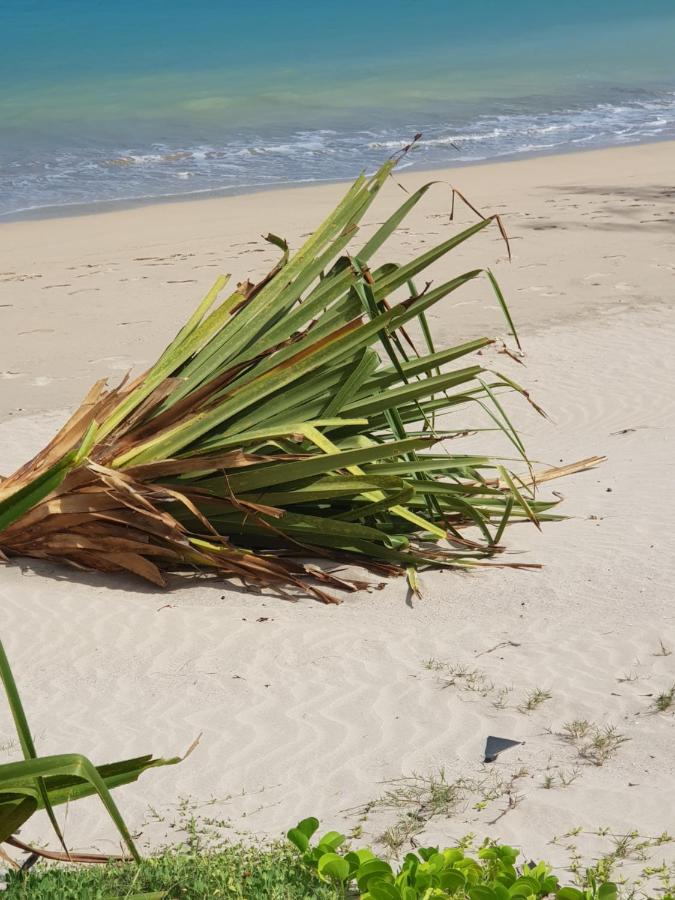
(53, 176)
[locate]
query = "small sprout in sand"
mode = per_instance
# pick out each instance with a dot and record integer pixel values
(665, 700)
(663, 650)
(567, 778)
(603, 744)
(628, 676)
(509, 792)
(548, 781)
(434, 665)
(461, 676)
(9, 745)
(534, 699)
(625, 844)
(594, 743)
(576, 729)
(468, 679)
(401, 833)
(501, 698)
(479, 684)
(467, 842)
(562, 778)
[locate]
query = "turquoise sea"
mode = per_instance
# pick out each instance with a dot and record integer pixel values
(121, 100)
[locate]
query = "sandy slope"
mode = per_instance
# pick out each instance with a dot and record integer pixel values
(306, 709)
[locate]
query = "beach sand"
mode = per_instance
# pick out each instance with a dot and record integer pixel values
(314, 710)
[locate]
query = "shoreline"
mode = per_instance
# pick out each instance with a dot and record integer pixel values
(120, 282)
(97, 207)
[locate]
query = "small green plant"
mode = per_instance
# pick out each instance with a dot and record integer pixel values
(461, 677)
(561, 778)
(567, 778)
(665, 700)
(475, 681)
(534, 700)
(548, 781)
(433, 874)
(576, 729)
(501, 698)
(425, 796)
(603, 744)
(400, 834)
(656, 878)
(434, 665)
(594, 743)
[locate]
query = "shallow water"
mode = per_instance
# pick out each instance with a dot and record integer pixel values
(115, 101)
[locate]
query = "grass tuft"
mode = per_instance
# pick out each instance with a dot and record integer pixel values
(534, 700)
(237, 873)
(665, 700)
(594, 743)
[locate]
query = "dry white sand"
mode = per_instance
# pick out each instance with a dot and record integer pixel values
(306, 709)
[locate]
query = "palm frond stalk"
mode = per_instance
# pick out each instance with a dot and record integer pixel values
(42, 782)
(292, 420)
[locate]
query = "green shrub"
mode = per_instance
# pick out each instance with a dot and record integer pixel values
(309, 871)
(235, 873)
(433, 874)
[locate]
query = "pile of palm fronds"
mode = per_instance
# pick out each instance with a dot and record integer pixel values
(271, 431)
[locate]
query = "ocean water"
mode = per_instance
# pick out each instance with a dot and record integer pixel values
(121, 101)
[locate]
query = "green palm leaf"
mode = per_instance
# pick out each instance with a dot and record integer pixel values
(293, 417)
(35, 783)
